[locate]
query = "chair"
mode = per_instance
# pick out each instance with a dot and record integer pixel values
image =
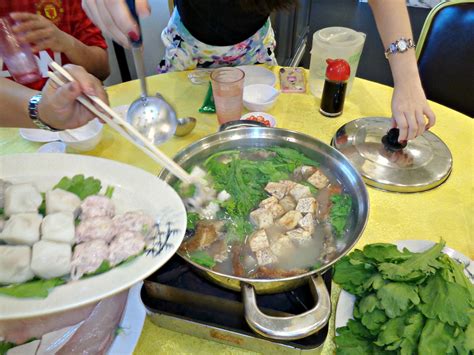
(445, 55)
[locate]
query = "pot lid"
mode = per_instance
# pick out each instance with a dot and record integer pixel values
(422, 164)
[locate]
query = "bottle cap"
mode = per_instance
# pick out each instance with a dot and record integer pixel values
(337, 70)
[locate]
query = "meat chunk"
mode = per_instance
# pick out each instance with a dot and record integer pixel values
(262, 218)
(300, 191)
(265, 257)
(97, 206)
(290, 219)
(282, 246)
(125, 245)
(288, 203)
(268, 201)
(299, 235)
(318, 180)
(206, 234)
(304, 172)
(87, 257)
(307, 205)
(237, 266)
(307, 223)
(95, 228)
(258, 240)
(134, 221)
(277, 189)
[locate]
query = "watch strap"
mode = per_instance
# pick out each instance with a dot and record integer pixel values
(399, 46)
(34, 115)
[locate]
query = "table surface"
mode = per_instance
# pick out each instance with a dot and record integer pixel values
(445, 212)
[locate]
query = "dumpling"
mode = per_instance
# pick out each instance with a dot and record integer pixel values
(95, 228)
(135, 221)
(97, 206)
(22, 228)
(58, 227)
(125, 245)
(88, 257)
(22, 198)
(51, 259)
(15, 264)
(59, 200)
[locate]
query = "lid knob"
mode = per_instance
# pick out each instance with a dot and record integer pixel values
(390, 140)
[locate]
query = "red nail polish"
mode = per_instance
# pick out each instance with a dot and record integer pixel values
(134, 36)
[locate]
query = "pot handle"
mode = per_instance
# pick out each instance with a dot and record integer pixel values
(292, 327)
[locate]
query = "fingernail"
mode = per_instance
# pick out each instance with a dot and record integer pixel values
(134, 36)
(89, 90)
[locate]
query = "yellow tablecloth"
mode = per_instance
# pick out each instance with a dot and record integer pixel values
(445, 212)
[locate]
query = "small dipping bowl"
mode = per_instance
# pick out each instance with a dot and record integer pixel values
(84, 138)
(260, 97)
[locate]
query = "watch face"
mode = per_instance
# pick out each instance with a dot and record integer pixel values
(402, 45)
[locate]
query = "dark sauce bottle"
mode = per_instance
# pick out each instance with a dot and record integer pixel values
(335, 86)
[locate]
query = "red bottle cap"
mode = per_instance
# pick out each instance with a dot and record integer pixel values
(337, 70)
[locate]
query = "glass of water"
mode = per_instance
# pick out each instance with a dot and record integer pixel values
(228, 88)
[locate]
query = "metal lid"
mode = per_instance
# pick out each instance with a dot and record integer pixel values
(423, 164)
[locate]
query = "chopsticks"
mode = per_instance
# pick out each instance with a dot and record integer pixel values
(116, 122)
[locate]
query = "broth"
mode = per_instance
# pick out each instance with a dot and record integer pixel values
(275, 213)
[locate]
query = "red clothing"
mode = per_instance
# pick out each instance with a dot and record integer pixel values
(68, 16)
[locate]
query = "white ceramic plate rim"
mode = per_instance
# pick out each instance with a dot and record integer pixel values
(345, 304)
(258, 75)
(134, 189)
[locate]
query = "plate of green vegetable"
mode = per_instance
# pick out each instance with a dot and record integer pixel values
(412, 297)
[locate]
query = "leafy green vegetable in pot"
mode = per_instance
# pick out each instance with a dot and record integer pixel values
(408, 303)
(202, 258)
(192, 219)
(31, 289)
(340, 209)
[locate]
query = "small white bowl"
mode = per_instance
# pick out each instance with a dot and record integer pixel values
(265, 115)
(260, 97)
(84, 138)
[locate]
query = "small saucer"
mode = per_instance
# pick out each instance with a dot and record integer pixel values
(265, 115)
(53, 147)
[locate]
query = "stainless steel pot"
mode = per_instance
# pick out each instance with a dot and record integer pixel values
(298, 326)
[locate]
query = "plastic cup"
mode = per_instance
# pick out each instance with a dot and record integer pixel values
(228, 88)
(17, 56)
(334, 42)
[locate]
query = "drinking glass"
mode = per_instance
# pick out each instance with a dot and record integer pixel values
(17, 56)
(228, 88)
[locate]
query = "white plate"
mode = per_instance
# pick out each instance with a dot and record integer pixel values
(134, 189)
(38, 135)
(131, 325)
(345, 304)
(258, 75)
(267, 116)
(52, 147)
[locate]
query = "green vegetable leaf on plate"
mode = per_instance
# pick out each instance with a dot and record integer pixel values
(5, 346)
(31, 289)
(397, 297)
(384, 252)
(437, 338)
(353, 274)
(80, 185)
(446, 301)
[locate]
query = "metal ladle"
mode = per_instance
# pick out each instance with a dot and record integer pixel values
(152, 116)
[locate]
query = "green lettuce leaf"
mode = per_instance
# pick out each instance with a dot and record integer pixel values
(436, 338)
(80, 185)
(397, 297)
(202, 258)
(340, 210)
(444, 300)
(352, 275)
(416, 268)
(192, 219)
(384, 252)
(32, 289)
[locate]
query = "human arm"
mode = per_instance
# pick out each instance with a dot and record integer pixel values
(43, 34)
(114, 18)
(409, 105)
(58, 107)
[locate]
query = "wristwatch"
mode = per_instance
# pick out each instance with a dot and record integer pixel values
(399, 46)
(33, 113)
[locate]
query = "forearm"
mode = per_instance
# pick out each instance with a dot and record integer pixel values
(393, 23)
(14, 100)
(94, 59)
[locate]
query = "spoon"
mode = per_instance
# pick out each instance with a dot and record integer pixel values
(185, 126)
(152, 116)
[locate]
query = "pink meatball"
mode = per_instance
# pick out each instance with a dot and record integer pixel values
(95, 228)
(87, 257)
(97, 206)
(124, 245)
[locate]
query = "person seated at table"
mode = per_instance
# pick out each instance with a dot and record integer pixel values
(409, 104)
(56, 107)
(59, 31)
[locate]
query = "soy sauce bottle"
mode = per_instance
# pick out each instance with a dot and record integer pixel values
(335, 86)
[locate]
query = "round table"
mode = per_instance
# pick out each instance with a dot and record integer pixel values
(445, 212)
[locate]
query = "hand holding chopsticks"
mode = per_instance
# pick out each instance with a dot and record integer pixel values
(125, 129)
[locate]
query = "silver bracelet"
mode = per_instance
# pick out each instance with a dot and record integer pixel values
(34, 115)
(399, 46)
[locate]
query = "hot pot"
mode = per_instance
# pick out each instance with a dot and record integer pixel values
(298, 326)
